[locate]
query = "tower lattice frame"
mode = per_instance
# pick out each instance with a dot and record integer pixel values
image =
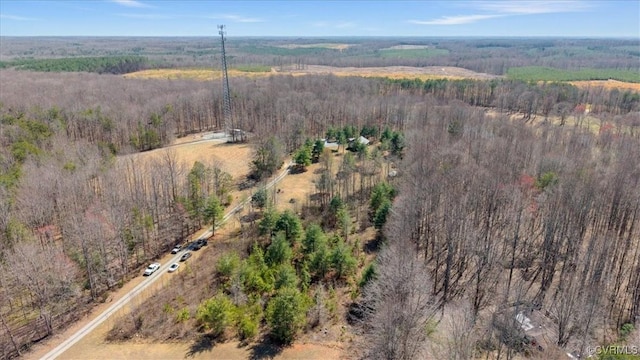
(228, 120)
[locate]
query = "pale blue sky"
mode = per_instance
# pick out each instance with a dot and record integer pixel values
(572, 18)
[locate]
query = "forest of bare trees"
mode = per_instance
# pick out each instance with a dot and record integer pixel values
(506, 216)
(492, 212)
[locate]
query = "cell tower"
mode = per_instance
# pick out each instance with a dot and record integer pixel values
(228, 122)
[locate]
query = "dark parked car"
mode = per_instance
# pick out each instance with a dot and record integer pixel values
(202, 242)
(185, 256)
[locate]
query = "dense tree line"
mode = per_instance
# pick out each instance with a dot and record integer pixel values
(494, 56)
(530, 99)
(100, 65)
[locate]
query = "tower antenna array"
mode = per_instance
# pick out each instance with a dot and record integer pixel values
(228, 122)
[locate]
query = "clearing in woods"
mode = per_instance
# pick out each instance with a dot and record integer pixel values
(607, 84)
(232, 158)
(392, 72)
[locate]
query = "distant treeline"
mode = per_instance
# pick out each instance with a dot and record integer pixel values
(493, 56)
(528, 98)
(100, 65)
(541, 73)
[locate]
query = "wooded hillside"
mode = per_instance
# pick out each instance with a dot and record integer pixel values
(512, 195)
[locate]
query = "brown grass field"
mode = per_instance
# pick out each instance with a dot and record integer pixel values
(191, 74)
(392, 72)
(232, 158)
(607, 84)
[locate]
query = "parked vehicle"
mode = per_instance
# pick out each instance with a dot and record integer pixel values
(174, 267)
(151, 269)
(202, 242)
(176, 249)
(185, 256)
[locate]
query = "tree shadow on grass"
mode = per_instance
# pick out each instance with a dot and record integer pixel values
(265, 349)
(204, 343)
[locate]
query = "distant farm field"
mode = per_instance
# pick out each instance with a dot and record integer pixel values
(607, 84)
(540, 73)
(412, 53)
(288, 50)
(392, 72)
(195, 74)
(336, 46)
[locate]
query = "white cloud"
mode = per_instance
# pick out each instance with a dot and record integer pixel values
(236, 18)
(496, 9)
(345, 25)
(532, 7)
(131, 3)
(15, 17)
(144, 16)
(320, 24)
(455, 20)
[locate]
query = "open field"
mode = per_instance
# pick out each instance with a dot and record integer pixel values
(232, 158)
(394, 72)
(540, 73)
(191, 74)
(607, 84)
(412, 53)
(336, 46)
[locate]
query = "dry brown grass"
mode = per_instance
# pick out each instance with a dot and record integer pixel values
(232, 158)
(191, 74)
(392, 72)
(607, 84)
(295, 189)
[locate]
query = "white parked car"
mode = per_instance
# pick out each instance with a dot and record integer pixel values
(174, 267)
(151, 269)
